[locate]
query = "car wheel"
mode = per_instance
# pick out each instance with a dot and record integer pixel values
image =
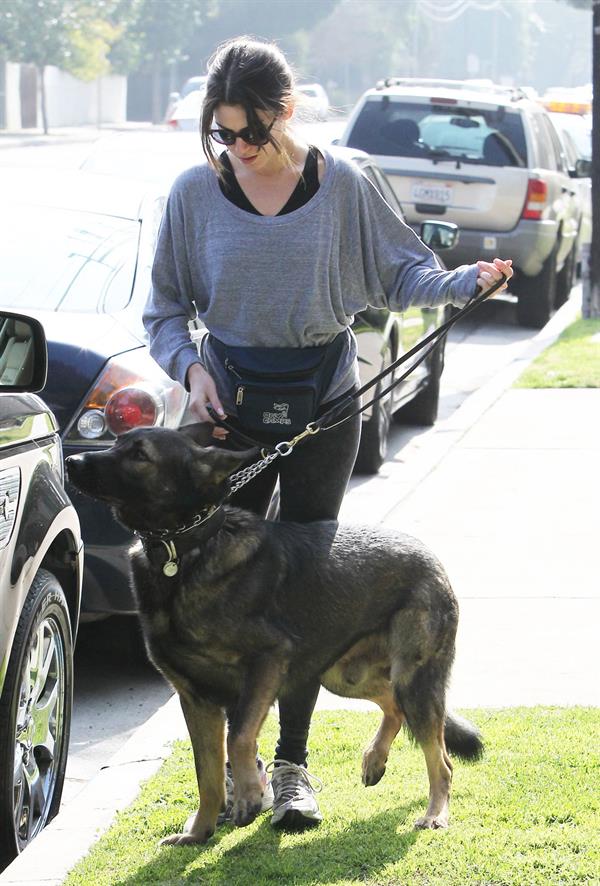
(35, 717)
(423, 409)
(536, 299)
(564, 280)
(374, 436)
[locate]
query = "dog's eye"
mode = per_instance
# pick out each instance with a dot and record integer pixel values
(140, 455)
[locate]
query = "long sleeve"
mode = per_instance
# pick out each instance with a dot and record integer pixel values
(169, 306)
(391, 266)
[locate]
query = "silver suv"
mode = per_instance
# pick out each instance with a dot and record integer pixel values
(487, 158)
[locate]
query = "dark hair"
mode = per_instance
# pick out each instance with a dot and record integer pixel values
(249, 73)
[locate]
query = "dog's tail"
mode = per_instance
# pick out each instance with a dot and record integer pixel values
(463, 739)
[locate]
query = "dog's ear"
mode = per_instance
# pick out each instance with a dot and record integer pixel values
(218, 464)
(201, 432)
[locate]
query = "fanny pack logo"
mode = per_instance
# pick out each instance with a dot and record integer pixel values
(279, 416)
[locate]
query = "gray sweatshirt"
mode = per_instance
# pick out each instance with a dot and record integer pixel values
(294, 280)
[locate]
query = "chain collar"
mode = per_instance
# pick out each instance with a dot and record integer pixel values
(158, 542)
(162, 534)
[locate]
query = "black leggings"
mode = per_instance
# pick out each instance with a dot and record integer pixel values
(312, 483)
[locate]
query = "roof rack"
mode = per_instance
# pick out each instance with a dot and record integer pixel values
(515, 92)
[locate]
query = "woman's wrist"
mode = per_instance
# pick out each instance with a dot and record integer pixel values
(194, 372)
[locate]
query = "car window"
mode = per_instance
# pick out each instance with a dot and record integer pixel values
(546, 157)
(570, 149)
(61, 260)
(392, 127)
(557, 148)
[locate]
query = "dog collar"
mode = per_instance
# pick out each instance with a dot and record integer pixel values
(160, 542)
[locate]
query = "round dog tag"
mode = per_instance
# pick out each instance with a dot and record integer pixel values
(170, 569)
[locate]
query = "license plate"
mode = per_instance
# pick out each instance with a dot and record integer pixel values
(437, 194)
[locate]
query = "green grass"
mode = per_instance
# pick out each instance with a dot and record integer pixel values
(528, 813)
(573, 361)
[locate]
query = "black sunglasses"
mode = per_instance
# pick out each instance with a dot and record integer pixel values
(258, 136)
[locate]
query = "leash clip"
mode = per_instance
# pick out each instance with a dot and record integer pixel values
(286, 446)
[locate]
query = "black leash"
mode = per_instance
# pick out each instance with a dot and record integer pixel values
(434, 339)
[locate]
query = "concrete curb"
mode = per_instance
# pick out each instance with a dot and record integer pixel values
(69, 837)
(90, 814)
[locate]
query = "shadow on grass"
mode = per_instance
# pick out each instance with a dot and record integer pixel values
(361, 850)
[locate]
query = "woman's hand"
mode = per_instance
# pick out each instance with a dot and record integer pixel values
(490, 272)
(203, 393)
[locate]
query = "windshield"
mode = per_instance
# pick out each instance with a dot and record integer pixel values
(60, 260)
(490, 137)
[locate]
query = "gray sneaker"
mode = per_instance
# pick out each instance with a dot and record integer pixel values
(267, 799)
(294, 806)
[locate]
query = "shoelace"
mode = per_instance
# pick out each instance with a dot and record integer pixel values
(291, 779)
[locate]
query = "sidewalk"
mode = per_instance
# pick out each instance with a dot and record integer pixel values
(23, 138)
(506, 493)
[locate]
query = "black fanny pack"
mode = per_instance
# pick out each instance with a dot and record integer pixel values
(279, 390)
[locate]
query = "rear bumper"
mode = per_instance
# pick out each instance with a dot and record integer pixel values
(529, 245)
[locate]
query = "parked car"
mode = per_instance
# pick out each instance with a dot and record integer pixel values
(316, 98)
(184, 113)
(487, 158)
(76, 249)
(575, 134)
(41, 571)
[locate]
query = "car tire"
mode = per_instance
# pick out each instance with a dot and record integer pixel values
(35, 717)
(423, 409)
(374, 436)
(564, 280)
(537, 294)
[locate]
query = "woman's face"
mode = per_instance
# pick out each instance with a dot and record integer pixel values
(233, 117)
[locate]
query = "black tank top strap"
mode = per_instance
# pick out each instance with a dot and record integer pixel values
(307, 187)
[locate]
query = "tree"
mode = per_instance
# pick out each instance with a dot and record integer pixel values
(74, 35)
(358, 43)
(155, 35)
(37, 32)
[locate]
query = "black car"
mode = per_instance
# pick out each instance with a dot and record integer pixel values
(41, 569)
(80, 254)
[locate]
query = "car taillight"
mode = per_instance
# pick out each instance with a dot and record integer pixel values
(131, 391)
(132, 407)
(535, 201)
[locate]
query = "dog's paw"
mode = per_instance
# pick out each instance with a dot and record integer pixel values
(431, 823)
(373, 769)
(187, 839)
(245, 811)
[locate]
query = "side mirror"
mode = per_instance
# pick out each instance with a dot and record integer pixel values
(23, 353)
(439, 235)
(583, 168)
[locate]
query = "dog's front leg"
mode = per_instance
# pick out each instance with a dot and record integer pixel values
(206, 725)
(261, 687)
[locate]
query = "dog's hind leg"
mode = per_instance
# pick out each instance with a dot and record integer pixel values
(206, 725)
(376, 753)
(259, 692)
(422, 648)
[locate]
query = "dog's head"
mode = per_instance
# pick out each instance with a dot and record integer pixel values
(157, 478)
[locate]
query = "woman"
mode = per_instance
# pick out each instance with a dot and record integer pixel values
(277, 244)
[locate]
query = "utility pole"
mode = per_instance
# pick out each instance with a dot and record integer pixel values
(591, 286)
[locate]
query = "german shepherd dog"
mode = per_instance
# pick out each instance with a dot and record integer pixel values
(237, 610)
